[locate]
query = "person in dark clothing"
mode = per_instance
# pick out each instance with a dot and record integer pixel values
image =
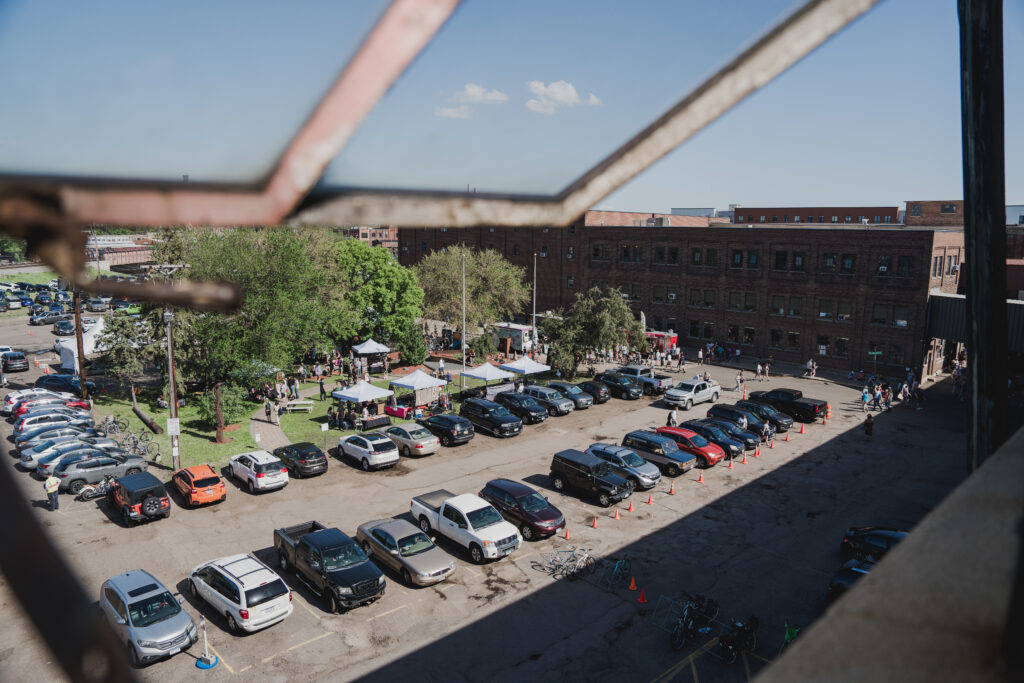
(323, 390)
(869, 427)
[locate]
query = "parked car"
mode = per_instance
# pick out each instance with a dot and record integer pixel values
(572, 469)
(31, 437)
(67, 383)
(792, 403)
(14, 361)
(36, 404)
(145, 617)
(649, 381)
(469, 521)
(521, 505)
(247, 592)
(549, 399)
(869, 541)
(12, 301)
(451, 429)
(48, 317)
(139, 497)
(847, 575)
(619, 386)
(330, 563)
(14, 397)
(64, 328)
(372, 450)
(598, 391)
(709, 430)
(258, 470)
(29, 421)
(96, 305)
(88, 323)
(581, 400)
(749, 439)
(47, 410)
(412, 438)
(44, 297)
(780, 421)
(707, 453)
(522, 406)
(690, 392)
(199, 485)
(302, 459)
(628, 465)
(405, 549)
(30, 457)
(47, 464)
(93, 467)
(491, 417)
(5, 305)
(661, 450)
(744, 418)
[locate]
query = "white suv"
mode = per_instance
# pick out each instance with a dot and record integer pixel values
(260, 470)
(371, 450)
(246, 591)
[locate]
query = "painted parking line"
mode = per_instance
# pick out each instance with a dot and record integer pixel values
(472, 571)
(221, 659)
(306, 607)
(391, 611)
(294, 647)
(676, 668)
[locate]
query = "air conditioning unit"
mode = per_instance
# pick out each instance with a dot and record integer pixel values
(955, 268)
(671, 296)
(882, 269)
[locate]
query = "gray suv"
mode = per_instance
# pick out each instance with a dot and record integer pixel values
(549, 399)
(628, 465)
(581, 400)
(91, 467)
(661, 450)
(146, 617)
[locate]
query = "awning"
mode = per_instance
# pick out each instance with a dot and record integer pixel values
(486, 372)
(361, 391)
(370, 346)
(418, 380)
(525, 366)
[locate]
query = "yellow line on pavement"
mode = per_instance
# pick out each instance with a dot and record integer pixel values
(676, 668)
(222, 660)
(693, 668)
(392, 611)
(293, 647)
(242, 671)
(315, 615)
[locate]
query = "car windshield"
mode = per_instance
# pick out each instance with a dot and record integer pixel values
(602, 469)
(153, 609)
(382, 446)
(414, 545)
(268, 467)
(619, 380)
(571, 389)
(419, 433)
(205, 482)
(483, 518)
(498, 411)
(532, 502)
(43, 446)
(265, 593)
(698, 441)
(685, 386)
(342, 557)
(554, 395)
(529, 403)
(632, 459)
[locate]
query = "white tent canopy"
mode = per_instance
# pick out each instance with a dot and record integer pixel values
(418, 380)
(361, 391)
(525, 366)
(487, 372)
(370, 346)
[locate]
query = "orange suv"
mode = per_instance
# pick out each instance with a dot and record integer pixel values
(199, 485)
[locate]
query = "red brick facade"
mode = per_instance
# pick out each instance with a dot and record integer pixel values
(944, 213)
(823, 215)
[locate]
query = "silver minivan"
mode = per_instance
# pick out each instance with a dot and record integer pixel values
(146, 617)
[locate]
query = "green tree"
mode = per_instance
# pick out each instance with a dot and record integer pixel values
(126, 342)
(495, 288)
(597, 319)
(382, 297)
(233, 406)
(411, 346)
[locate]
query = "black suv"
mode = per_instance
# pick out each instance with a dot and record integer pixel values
(522, 406)
(596, 389)
(748, 438)
(451, 429)
(754, 424)
(780, 421)
(139, 497)
(490, 417)
(68, 383)
(302, 459)
(619, 386)
(586, 472)
(716, 435)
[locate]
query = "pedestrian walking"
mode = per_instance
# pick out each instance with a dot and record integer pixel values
(52, 488)
(767, 368)
(877, 399)
(737, 354)
(673, 418)
(280, 411)
(323, 390)
(440, 367)
(268, 410)
(758, 371)
(865, 400)
(887, 399)
(739, 380)
(700, 356)
(302, 372)
(869, 426)
(682, 362)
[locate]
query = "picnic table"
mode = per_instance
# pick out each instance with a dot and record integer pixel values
(300, 404)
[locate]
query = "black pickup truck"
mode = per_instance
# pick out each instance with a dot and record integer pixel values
(792, 403)
(330, 563)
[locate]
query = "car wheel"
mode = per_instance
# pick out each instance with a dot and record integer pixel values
(75, 487)
(527, 532)
(558, 482)
(551, 411)
(425, 525)
(282, 561)
(406, 577)
(192, 588)
(366, 548)
(476, 554)
(133, 470)
(333, 604)
(634, 483)
(703, 463)
(603, 500)
(133, 656)
(446, 441)
(252, 487)
(365, 465)
(406, 452)
(232, 624)
(714, 398)
(648, 390)
(673, 470)
(689, 404)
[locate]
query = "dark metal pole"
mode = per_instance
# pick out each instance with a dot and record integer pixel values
(81, 349)
(981, 98)
(173, 391)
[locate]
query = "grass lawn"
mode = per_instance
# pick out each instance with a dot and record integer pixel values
(196, 441)
(43, 277)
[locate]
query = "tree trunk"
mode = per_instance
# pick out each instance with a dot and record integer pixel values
(131, 387)
(220, 417)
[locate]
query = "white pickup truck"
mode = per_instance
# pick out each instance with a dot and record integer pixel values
(692, 391)
(468, 520)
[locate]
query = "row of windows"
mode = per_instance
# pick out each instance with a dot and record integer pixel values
(952, 265)
(838, 347)
(809, 218)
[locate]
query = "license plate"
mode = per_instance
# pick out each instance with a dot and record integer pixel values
(209, 490)
(174, 651)
(507, 551)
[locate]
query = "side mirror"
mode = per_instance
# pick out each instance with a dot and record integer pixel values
(119, 620)
(433, 539)
(393, 551)
(462, 525)
(313, 564)
(181, 600)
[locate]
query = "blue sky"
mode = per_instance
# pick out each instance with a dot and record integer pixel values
(511, 96)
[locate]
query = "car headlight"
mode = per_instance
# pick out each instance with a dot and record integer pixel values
(380, 582)
(146, 643)
(344, 590)
(488, 543)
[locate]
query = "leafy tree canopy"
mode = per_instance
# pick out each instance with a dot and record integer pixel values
(126, 341)
(597, 319)
(382, 297)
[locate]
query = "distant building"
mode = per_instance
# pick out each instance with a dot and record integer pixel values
(1015, 214)
(374, 235)
(817, 215)
(935, 214)
(707, 213)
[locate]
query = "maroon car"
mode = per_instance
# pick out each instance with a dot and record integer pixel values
(524, 507)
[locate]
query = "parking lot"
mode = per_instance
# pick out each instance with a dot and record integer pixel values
(762, 539)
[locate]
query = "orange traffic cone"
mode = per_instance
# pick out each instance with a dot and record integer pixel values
(787, 437)
(744, 392)
(801, 427)
(30, 333)
(744, 460)
(643, 598)
(567, 533)
(594, 525)
(730, 464)
(650, 499)
(828, 411)
(700, 479)
(616, 516)
(46, 371)
(771, 444)
(36, 361)
(632, 583)
(630, 508)
(672, 488)
(824, 421)
(757, 452)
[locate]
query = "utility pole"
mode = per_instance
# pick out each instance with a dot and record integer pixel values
(533, 349)
(462, 375)
(172, 392)
(81, 349)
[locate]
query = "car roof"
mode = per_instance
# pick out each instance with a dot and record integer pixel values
(513, 488)
(198, 471)
(483, 402)
(260, 456)
(653, 436)
(132, 582)
(612, 448)
(139, 480)
(467, 502)
(398, 528)
(375, 436)
(580, 457)
(679, 431)
(245, 569)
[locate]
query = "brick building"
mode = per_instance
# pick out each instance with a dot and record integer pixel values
(943, 213)
(788, 292)
(386, 236)
(877, 215)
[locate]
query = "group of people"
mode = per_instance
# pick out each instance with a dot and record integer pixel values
(347, 419)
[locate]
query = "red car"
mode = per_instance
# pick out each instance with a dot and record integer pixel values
(707, 453)
(32, 405)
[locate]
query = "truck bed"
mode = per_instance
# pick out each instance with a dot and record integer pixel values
(434, 499)
(293, 534)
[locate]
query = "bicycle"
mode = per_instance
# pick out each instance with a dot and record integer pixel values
(619, 573)
(697, 615)
(114, 425)
(576, 567)
(555, 564)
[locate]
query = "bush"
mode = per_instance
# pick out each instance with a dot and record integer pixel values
(233, 405)
(411, 346)
(483, 346)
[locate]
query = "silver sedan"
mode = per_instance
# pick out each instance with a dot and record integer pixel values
(397, 544)
(413, 439)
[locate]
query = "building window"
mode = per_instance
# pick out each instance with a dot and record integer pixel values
(490, 245)
(956, 259)
(896, 354)
(775, 219)
(737, 258)
(835, 219)
(778, 304)
(882, 267)
(841, 347)
(739, 218)
(571, 282)
(901, 316)
(709, 298)
(828, 263)
(673, 255)
(947, 208)
(364, 235)
(658, 294)
(748, 335)
(694, 329)
(844, 310)
(423, 247)
(878, 219)
(915, 210)
(572, 229)
(733, 333)
(444, 229)
(826, 308)
(888, 219)
(796, 219)
(879, 314)
(904, 266)
(750, 302)
(793, 340)
(515, 250)
(849, 263)
(796, 305)
(671, 293)
(712, 258)
(571, 253)
(405, 247)
(659, 254)
(822, 346)
(753, 258)
(635, 292)
(543, 252)
(936, 266)
(656, 322)
(860, 219)
(798, 261)
(785, 219)
(734, 301)
(601, 252)
(709, 330)
(697, 257)
(763, 219)
(775, 339)
(545, 230)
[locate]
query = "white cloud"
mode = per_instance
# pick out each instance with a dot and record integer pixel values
(549, 98)
(478, 94)
(459, 112)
